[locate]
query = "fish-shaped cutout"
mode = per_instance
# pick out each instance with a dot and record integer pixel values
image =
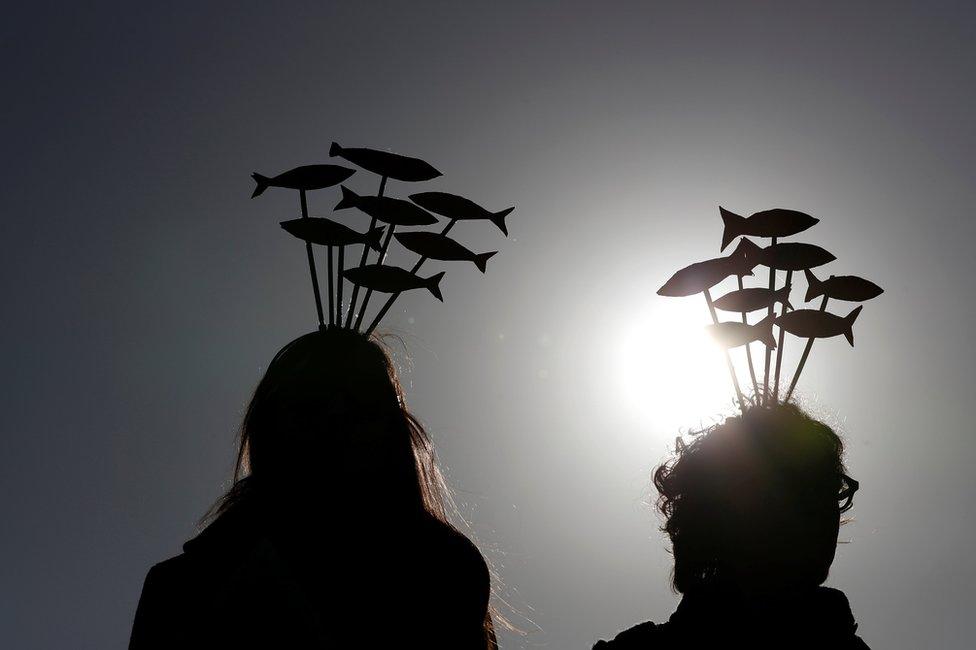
(704, 275)
(453, 206)
(816, 324)
(441, 247)
(393, 279)
(841, 287)
(793, 256)
(326, 232)
(308, 177)
(744, 301)
(387, 209)
(384, 163)
(732, 334)
(777, 222)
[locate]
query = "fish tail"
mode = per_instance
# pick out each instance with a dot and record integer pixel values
(814, 286)
(783, 296)
(764, 332)
(335, 150)
(481, 261)
(373, 238)
(432, 285)
(262, 184)
(849, 321)
(348, 199)
(733, 226)
(498, 218)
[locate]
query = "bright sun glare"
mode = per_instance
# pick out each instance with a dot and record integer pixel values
(672, 375)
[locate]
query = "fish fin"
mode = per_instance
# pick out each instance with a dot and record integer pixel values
(765, 328)
(481, 261)
(733, 226)
(348, 199)
(335, 150)
(783, 296)
(262, 184)
(432, 285)
(498, 218)
(814, 286)
(849, 321)
(373, 238)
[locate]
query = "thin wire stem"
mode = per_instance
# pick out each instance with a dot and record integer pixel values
(331, 298)
(339, 270)
(379, 260)
(752, 370)
(728, 357)
(311, 264)
(362, 260)
(803, 358)
(780, 344)
(416, 267)
(769, 352)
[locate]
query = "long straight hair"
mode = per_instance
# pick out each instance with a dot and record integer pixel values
(322, 357)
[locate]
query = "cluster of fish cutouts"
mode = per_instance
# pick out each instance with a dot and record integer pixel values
(790, 257)
(422, 209)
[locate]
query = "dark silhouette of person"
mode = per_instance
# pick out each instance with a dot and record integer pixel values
(753, 507)
(335, 532)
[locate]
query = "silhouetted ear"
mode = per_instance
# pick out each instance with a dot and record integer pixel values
(384, 163)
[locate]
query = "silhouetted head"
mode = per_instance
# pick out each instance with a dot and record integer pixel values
(328, 425)
(755, 502)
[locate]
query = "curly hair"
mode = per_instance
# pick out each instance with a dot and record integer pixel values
(757, 497)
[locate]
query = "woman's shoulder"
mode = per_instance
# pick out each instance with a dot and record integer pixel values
(639, 636)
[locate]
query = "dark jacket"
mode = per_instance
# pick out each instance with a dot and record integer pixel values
(820, 618)
(242, 584)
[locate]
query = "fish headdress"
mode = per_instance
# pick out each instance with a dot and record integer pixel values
(385, 214)
(787, 257)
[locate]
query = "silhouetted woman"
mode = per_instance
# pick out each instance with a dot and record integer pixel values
(334, 533)
(753, 508)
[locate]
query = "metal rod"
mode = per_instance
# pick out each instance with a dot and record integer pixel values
(416, 267)
(362, 260)
(339, 270)
(331, 299)
(752, 370)
(379, 260)
(769, 352)
(780, 344)
(803, 357)
(728, 357)
(311, 264)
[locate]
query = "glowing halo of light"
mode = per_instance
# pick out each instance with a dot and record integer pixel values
(669, 373)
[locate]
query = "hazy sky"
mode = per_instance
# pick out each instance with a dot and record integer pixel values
(144, 292)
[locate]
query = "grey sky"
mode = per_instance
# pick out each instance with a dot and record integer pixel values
(144, 291)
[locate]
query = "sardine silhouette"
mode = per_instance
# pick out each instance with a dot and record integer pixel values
(384, 163)
(308, 177)
(393, 279)
(768, 223)
(703, 275)
(326, 232)
(453, 206)
(732, 334)
(793, 256)
(841, 287)
(441, 247)
(816, 324)
(387, 209)
(746, 300)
